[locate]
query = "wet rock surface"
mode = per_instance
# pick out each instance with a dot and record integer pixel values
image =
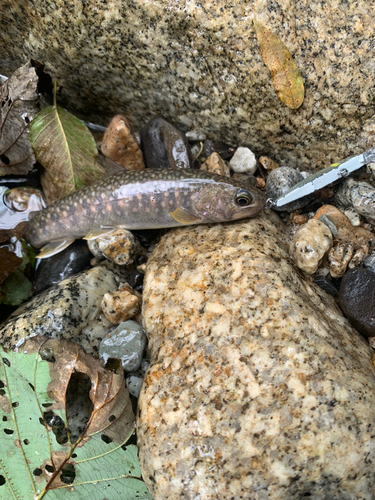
(258, 386)
(357, 299)
(69, 310)
(164, 146)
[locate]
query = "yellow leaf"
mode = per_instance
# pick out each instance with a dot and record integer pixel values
(286, 78)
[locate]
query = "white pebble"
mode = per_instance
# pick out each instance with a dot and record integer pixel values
(243, 161)
(353, 216)
(134, 383)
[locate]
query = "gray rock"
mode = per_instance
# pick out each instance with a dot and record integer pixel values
(369, 262)
(125, 342)
(358, 195)
(199, 65)
(69, 310)
(280, 181)
(258, 387)
(357, 299)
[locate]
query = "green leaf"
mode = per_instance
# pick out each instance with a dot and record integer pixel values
(66, 148)
(16, 289)
(285, 75)
(35, 462)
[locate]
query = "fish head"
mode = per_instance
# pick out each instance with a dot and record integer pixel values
(228, 200)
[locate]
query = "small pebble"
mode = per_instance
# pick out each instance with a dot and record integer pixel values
(359, 257)
(121, 305)
(196, 135)
(120, 144)
(298, 218)
(310, 244)
(369, 262)
(353, 217)
(339, 257)
(134, 382)
(125, 342)
(216, 165)
(145, 364)
(119, 246)
(371, 340)
(279, 182)
(268, 164)
(357, 299)
(142, 268)
(370, 169)
(327, 221)
(243, 161)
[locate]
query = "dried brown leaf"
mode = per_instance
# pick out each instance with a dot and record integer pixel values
(112, 412)
(19, 101)
(285, 75)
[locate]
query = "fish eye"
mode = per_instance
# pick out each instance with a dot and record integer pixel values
(243, 198)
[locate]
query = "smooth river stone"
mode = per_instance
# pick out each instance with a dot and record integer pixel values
(258, 386)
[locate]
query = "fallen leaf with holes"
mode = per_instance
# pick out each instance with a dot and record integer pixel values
(64, 424)
(285, 75)
(67, 150)
(19, 103)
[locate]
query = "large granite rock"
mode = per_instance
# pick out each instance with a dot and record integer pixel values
(198, 64)
(258, 388)
(70, 310)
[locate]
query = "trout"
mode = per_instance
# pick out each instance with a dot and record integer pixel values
(145, 199)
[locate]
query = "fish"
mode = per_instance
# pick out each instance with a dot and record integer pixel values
(144, 199)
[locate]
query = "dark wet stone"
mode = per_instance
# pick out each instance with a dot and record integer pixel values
(135, 279)
(70, 261)
(280, 181)
(224, 150)
(326, 284)
(164, 146)
(357, 299)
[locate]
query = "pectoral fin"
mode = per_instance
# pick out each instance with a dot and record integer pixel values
(53, 248)
(95, 233)
(184, 217)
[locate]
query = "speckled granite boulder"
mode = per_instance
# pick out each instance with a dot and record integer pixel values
(70, 310)
(198, 64)
(258, 388)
